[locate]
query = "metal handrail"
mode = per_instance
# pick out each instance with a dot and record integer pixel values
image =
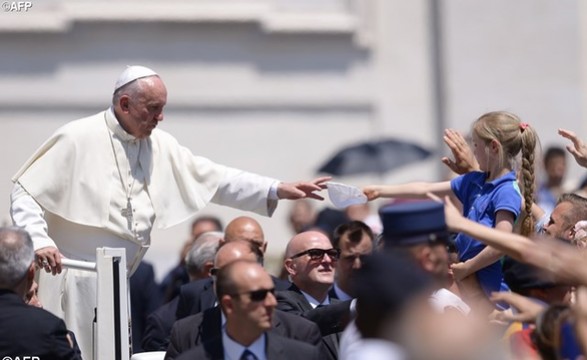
(78, 264)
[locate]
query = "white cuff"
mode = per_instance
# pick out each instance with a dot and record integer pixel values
(273, 191)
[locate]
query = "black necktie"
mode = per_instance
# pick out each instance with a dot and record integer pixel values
(248, 355)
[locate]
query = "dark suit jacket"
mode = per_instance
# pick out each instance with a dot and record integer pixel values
(277, 348)
(205, 326)
(198, 296)
(32, 331)
(145, 298)
(158, 327)
(331, 319)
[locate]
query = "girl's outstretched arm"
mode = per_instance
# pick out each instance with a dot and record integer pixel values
(408, 190)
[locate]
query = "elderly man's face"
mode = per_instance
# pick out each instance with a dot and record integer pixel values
(145, 110)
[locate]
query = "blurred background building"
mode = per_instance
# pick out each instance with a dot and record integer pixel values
(278, 86)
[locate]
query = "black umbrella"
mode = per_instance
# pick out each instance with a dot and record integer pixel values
(374, 157)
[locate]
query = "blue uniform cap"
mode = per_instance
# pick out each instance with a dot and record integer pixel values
(414, 223)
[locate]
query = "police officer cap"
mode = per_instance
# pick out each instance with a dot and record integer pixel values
(414, 223)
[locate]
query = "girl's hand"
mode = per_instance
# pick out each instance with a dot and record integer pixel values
(464, 160)
(528, 310)
(460, 270)
(372, 192)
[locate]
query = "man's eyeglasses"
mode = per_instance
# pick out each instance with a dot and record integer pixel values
(318, 254)
(257, 295)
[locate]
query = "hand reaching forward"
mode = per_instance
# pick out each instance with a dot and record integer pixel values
(528, 310)
(372, 192)
(578, 149)
(302, 189)
(464, 160)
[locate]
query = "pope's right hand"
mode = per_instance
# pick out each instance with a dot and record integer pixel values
(49, 258)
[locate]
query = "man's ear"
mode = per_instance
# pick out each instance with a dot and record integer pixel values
(264, 247)
(30, 276)
(290, 267)
(227, 305)
(209, 265)
(123, 103)
(426, 258)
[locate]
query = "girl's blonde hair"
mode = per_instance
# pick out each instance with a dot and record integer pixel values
(514, 137)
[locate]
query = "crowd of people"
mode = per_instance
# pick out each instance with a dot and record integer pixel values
(487, 265)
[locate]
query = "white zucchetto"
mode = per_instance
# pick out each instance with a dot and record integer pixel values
(132, 73)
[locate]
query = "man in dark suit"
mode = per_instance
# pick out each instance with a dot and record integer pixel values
(26, 330)
(199, 261)
(354, 240)
(185, 330)
(246, 297)
(310, 262)
(198, 296)
(205, 326)
(145, 298)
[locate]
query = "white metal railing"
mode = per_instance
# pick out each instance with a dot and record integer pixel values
(110, 337)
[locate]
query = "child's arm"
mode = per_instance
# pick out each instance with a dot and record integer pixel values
(504, 221)
(409, 190)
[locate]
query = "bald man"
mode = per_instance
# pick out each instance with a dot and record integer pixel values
(247, 301)
(246, 228)
(198, 296)
(205, 326)
(310, 261)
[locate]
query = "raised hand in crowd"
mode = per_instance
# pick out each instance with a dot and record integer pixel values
(578, 149)
(464, 160)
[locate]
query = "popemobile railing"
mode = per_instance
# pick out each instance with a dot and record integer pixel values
(110, 335)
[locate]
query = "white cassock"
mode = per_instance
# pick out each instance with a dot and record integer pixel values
(74, 193)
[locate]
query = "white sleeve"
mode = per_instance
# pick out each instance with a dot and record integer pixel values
(247, 191)
(28, 214)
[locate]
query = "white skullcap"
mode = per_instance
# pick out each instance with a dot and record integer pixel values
(132, 73)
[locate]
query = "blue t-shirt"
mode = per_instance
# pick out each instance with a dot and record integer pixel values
(481, 201)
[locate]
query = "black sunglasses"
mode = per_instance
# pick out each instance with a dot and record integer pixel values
(257, 295)
(318, 254)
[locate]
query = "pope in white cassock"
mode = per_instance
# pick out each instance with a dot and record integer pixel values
(106, 179)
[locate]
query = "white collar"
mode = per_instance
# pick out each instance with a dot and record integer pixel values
(313, 302)
(234, 350)
(343, 296)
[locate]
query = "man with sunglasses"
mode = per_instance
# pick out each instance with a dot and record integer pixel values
(207, 325)
(310, 261)
(246, 297)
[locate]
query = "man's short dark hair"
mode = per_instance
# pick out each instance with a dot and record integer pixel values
(577, 213)
(213, 219)
(255, 249)
(553, 152)
(355, 230)
(225, 284)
